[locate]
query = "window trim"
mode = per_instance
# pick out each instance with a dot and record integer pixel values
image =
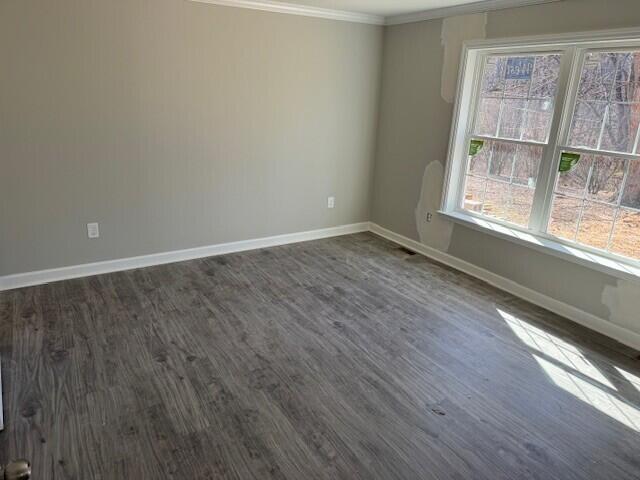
(552, 246)
(574, 48)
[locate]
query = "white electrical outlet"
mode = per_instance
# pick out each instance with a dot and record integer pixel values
(331, 202)
(93, 230)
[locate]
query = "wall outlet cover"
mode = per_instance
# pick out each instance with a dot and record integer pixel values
(93, 230)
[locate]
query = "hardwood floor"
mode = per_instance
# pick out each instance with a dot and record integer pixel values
(345, 358)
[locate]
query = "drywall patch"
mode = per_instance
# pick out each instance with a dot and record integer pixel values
(623, 302)
(455, 31)
(437, 232)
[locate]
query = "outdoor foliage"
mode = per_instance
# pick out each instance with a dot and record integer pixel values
(597, 202)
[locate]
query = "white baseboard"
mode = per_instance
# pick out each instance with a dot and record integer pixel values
(20, 280)
(605, 327)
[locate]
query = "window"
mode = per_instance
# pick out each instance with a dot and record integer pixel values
(546, 140)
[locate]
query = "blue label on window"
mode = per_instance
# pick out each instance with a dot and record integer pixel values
(519, 68)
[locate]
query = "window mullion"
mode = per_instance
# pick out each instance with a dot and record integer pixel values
(512, 141)
(623, 185)
(525, 116)
(636, 148)
(607, 108)
(563, 111)
(590, 151)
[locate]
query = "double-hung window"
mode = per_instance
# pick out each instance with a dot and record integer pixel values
(546, 140)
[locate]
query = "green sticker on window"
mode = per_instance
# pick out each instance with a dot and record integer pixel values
(568, 161)
(475, 147)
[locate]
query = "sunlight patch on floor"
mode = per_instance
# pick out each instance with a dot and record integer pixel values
(591, 394)
(633, 379)
(554, 347)
(571, 371)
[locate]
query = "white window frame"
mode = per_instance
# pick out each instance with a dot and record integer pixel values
(574, 48)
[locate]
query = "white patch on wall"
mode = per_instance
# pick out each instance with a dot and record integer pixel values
(623, 302)
(455, 31)
(437, 232)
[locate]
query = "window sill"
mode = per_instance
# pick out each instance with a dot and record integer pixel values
(615, 268)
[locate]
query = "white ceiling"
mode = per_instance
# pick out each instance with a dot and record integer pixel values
(383, 8)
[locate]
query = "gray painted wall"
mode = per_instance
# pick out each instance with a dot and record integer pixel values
(177, 124)
(414, 129)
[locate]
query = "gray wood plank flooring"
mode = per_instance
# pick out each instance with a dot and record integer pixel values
(345, 358)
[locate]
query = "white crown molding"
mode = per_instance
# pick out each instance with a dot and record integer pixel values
(469, 8)
(588, 320)
(358, 17)
(303, 10)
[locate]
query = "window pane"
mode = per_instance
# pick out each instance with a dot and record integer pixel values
(607, 114)
(496, 200)
(587, 124)
(493, 77)
(512, 118)
(627, 85)
(502, 158)
(512, 171)
(474, 194)
(479, 163)
(631, 195)
(606, 179)
(487, 118)
(517, 97)
(597, 77)
(620, 127)
(626, 235)
(527, 165)
(564, 217)
(574, 182)
(597, 203)
(538, 117)
(518, 85)
(545, 77)
(508, 202)
(596, 225)
(594, 177)
(519, 209)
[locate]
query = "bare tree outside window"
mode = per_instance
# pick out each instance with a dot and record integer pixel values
(603, 189)
(546, 142)
(516, 103)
